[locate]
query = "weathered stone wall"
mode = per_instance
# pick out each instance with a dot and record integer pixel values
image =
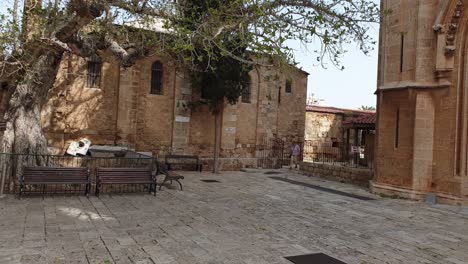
(75, 111)
(422, 72)
(291, 114)
(122, 111)
(323, 127)
(155, 113)
(394, 163)
(356, 176)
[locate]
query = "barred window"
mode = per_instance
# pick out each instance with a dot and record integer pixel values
(156, 78)
(247, 92)
(93, 78)
(288, 87)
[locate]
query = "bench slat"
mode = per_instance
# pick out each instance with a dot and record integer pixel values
(124, 176)
(55, 176)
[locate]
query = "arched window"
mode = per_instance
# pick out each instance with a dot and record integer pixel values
(156, 78)
(93, 75)
(288, 87)
(247, 92)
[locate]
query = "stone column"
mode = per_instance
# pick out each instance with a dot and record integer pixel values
(127, 106)
(423, 141)
(182, 113)
(228, 131)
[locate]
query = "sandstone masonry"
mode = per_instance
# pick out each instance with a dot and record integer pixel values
(422, 119)
(122, 111)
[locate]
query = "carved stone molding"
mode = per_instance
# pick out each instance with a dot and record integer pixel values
(447, 28)
(452, 29)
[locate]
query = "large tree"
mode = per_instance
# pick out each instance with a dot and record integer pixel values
(31, 50)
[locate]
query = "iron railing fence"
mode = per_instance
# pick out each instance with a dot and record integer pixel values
(339, 155)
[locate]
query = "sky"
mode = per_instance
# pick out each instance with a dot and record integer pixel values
(351, 88)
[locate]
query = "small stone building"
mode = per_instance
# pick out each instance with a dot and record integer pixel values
(422, 100)
(326, 125)
(147, 108)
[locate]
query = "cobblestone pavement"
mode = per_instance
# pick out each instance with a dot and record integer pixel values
(247, 218)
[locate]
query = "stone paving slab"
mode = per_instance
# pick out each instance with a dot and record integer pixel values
(247, 218)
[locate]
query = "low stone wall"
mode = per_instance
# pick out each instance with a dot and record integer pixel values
(235, 164)
(356, 176)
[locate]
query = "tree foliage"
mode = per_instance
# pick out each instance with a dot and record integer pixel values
(215, 74)
(263, 27)
(368, 108)
(205, 36)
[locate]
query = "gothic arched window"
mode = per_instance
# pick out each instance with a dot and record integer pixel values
(156, 78)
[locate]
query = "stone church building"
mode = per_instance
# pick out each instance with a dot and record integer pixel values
(146, 108)
(422, 98)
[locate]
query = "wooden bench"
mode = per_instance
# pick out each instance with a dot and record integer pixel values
(192, 162)
(169, 176)
(54, 176)
(125, 176)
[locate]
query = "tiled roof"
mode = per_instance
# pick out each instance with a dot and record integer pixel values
(364, 119)
(335, 110)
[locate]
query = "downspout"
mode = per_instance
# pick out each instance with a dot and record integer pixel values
(116, 130)
(258, 110)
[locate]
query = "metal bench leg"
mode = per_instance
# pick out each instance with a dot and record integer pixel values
(180, 184)
(164, 181)
(88, 187)
(97, 189)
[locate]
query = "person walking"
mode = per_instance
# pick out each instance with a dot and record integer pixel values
(295, 152)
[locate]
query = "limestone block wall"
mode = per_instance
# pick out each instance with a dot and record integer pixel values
(75, 111)
(122, 111)
(355, 176)
(394, 159)
(155, 113)
(422, 74)
(291, 114)
(323, 127)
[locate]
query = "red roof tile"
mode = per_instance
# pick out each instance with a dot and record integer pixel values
(364, 119)
(335, 110)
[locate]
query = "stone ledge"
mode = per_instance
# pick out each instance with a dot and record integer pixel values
(405, 193)
(357, 176)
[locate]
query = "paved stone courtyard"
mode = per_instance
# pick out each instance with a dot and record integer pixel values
(247, 218)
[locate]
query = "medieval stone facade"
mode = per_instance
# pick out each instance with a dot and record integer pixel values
(146, 107)
(422, 100)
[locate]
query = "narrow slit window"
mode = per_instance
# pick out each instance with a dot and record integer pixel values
(93, 78)
(247, 92)
(397, 128)
(288, 87)
(402, 51)
(279, 95)
(156, 78)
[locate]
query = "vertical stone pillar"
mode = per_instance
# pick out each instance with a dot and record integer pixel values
(423, 142)
(127, 107)
(182, 113)
(228, 131)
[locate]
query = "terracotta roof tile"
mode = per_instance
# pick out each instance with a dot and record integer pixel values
(364, 119)
(335, 110)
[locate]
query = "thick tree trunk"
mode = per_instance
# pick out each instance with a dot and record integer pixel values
(217, 142)
(23, 134)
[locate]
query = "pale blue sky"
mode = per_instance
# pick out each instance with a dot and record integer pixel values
(352, 87)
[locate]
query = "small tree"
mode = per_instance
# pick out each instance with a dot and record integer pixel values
(367, 108)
